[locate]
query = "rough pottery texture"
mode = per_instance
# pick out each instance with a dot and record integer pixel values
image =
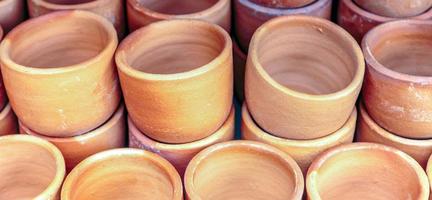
(177, 89)
(395, 8)
(144, 12)
(283, 3)
(8, 121)
(303, 76)
(30, 168)
(12, 12)
(130, 174)
(67, 84)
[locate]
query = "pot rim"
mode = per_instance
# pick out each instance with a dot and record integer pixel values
(317, 4)
(311, 177)
(56, 182)
(359, 61)
(129, 42)
(109, 48)
(100, 157)
(79, 6)
(257, 146)
(7, 110)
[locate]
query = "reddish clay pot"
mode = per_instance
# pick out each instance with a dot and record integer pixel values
(248, 16)
(303, 76)
(177, 89)
(8, 121)
(131, 174)
(3, 97)
(302, 151)
(144, 12)
(283, 3)
(243, 170)
(239, 58)
(366, 171)
(30, 168)
(395, 8)
(398, 82)
(12, 12)
(112, 10)
(75, 149)
(67, 84)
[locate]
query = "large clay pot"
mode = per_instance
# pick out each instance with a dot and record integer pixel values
(67, 84)
(395, 8)
(75, 149)
(249, 15)
(8, 121)
(243, 170)
(30, 168)
(366, 171)
(12, 12)
(239, 58)
(112, 10)
(302, 151)
(131, 174)
(144, 12)
(303, 76)
(283, 3)
(398, 81)
(177, 89)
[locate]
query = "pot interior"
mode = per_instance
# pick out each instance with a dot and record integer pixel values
(68, 2)
(176, 7)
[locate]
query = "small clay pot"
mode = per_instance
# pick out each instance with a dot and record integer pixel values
(243, 170)
(12, 12)
(398, 82)
(302, 151)
(8, 121)
(112, 10)
(177, 89)
(131, 174)
(366, 171)
(30, 168)
(239, 58)
(67, 84)
(180, 154)
(249, 15)
(303, 76)
(283, 3)
(144, 12)
(395, 8)
(75, 149)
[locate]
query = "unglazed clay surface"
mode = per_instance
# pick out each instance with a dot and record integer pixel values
(12, 12)
(8, 121)
(69, 2)
(283, 3)
(395, 8)
(175, 7)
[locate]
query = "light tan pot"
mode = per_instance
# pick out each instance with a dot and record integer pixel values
(131, 174)
(8, 121)
(303, 76)
(395, 8)
(366, 171)
(177, 89)
(30, 168)
(144, 12)
(65, 85)
(12, 12)
(243, 170)
(302, 151)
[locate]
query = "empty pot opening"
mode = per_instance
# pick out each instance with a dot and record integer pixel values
(243, 174)
(366, 174)
(26, 170)
(176, 7)
(308, 57)
(69, 2)
(59, 43)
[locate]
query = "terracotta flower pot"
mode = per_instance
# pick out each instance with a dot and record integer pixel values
(303, 76)
(249, 15)
(180, 154)
(398, 82)
(177, 89)
(12, 12)
(366, 171)
(131, 174)
(239, 58)
(302, 151)
(395, 8)
(243, 170)
(30, 168)
(112, 10)
(144, 12)
(67, 84)
(75, 149)
(8, 121)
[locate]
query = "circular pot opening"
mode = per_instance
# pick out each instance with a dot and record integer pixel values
(176, 7)
(68, 2)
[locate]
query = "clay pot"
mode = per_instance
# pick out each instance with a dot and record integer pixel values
(8, 121)
(180, 154)
(67, 84)
(12, 12)
(239, 58)
(144, 12)
(366, 171)
(75, 149)
(131, 174)
(243, 170)
(248, 16)
(3, 97)
(30, 168)
(112, 10)
(177, 89)
(397, 88)
(303, 76)
(429, 172)
(302, 151)
(283, 3)
(395, 8)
